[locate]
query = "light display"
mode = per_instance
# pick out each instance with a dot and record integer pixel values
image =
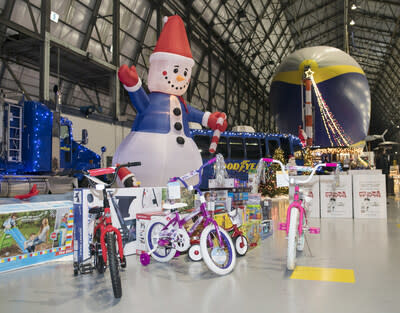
(335, 132)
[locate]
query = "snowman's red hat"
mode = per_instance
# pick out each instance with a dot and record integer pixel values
(173, 43)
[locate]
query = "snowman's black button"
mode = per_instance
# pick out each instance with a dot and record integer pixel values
(178, 125)
(180, 140)
(177, 111)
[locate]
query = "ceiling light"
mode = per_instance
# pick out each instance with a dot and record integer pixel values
(54, 16)
(353, 6)
(352, 22)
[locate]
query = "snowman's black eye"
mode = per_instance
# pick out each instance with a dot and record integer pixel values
(185, 73)
(175, 70)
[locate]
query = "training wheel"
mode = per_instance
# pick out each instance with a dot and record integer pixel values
(145, 258)
(194, 253)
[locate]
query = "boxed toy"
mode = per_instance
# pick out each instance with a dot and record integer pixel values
(253, 212)
(252, 230)
(125, 203)
(143, 220)
(223, 220)
(34, 232)
(266, 228)
(227, 183)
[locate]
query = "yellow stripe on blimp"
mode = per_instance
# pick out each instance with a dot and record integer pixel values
(323, 274)
(320, 74)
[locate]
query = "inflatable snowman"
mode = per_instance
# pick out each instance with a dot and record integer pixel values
(160, 137)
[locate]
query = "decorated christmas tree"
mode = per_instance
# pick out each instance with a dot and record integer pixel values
(269, 188)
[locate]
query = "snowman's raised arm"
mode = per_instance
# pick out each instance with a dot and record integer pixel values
(207, 119)
(133, 84)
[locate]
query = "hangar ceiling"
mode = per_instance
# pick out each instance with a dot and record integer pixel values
(237, 46)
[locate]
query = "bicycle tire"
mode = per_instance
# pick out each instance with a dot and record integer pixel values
(162, 254)
(220, 263)
(292, 238)
(100, 265)
(241, 245)
(113, 265)
(194, 253)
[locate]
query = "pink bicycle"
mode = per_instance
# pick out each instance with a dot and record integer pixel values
(296, 220)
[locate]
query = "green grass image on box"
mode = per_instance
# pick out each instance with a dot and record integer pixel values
(28, 223)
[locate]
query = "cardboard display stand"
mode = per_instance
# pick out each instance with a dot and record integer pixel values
(336, 196)
(369, 194)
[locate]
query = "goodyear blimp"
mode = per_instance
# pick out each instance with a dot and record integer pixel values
(325, 91)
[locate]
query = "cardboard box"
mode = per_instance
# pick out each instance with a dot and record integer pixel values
(369, 195)
(336, 199)
(252, 230)
(33, 233)
(266, 228)
(125, 203)
(253, 212)
(228, 183)
(143, 220)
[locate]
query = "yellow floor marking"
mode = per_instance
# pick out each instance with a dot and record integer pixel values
(323, 274)
(398, 225)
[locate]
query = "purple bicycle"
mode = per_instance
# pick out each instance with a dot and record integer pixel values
(165, 236)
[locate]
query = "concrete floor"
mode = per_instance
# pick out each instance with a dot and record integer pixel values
(259, 283)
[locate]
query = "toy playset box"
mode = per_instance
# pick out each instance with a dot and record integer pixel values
(125, 204)
(33, 233)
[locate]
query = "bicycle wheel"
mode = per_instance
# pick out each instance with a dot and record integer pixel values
(241, 245)
(161, 254)
(113, 265)
(292, 238)
(220, 260)
(100, 265)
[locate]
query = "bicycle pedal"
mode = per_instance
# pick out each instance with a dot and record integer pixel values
(282, 226)
(314, 230)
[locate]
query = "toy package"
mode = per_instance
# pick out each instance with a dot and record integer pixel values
(252, 230)
(266, 228)
(125, 203)
(33, 233)
(253, 212)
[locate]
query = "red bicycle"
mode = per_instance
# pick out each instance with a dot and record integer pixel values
(107, 238)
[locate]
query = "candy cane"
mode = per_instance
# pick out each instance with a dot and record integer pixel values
(217, 134)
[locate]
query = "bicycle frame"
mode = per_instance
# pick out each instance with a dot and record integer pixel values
(202, 210)
(296, 203)
(105, 226)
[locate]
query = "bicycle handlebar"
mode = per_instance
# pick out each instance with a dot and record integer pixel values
(90, 174)
(191, 174)
(305, 181)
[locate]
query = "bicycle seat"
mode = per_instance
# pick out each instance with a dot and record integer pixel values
(171, 206)
(96, 210)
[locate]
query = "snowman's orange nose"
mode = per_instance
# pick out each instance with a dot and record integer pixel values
(180, 78)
